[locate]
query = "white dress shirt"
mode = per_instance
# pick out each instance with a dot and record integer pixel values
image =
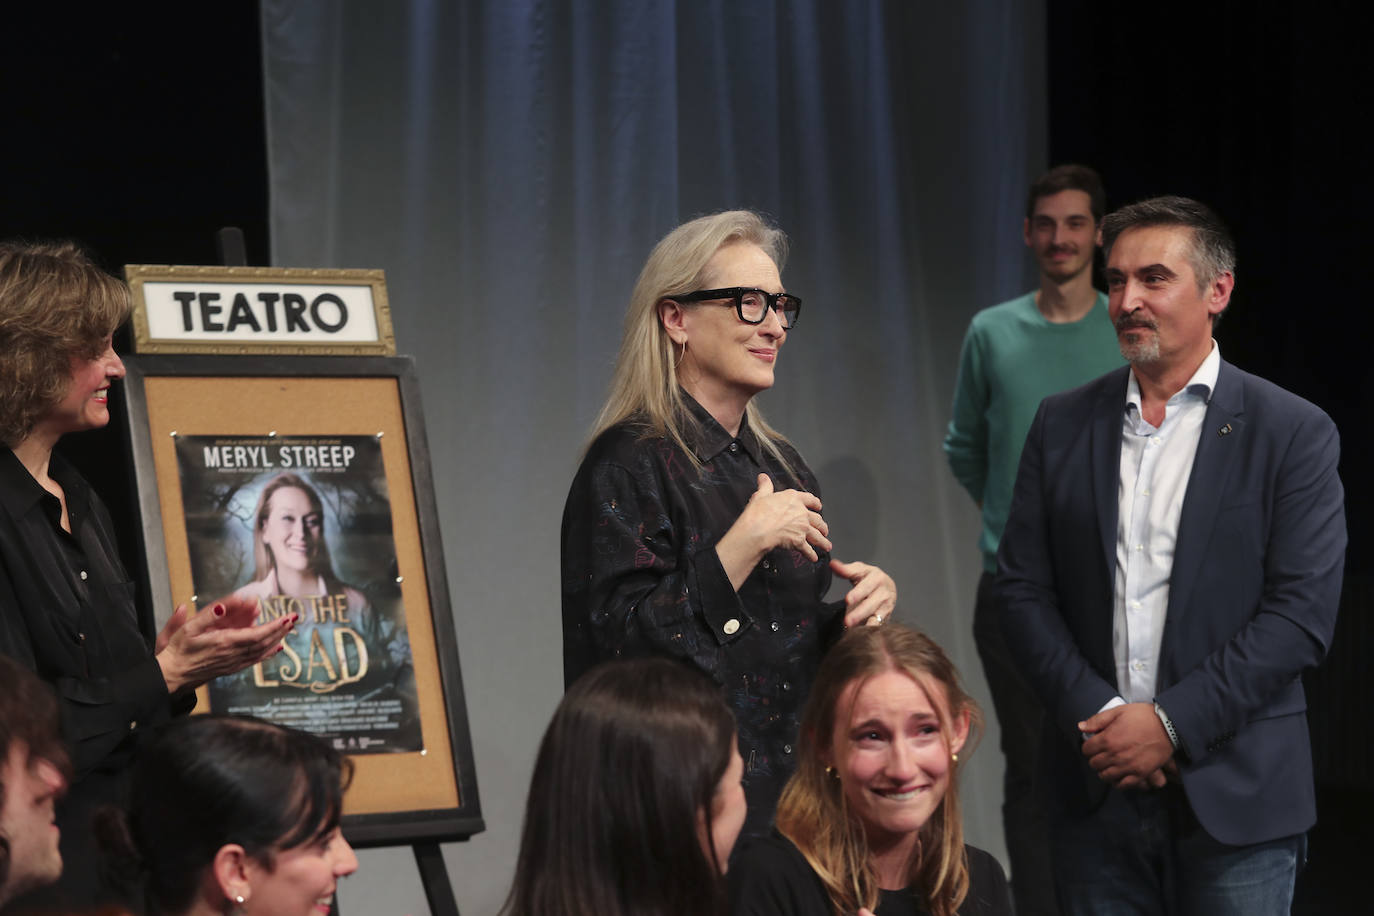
(1155, 466)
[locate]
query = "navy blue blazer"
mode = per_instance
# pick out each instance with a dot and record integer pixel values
(1252, 596)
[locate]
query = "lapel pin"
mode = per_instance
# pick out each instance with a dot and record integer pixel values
(1224, 430)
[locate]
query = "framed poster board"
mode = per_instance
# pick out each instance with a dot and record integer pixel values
(304, 483)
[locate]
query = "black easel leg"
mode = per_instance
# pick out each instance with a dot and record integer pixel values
(434, 876)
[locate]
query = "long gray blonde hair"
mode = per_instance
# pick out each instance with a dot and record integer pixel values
(644, 387)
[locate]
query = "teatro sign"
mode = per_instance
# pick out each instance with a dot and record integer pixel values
(260, 310)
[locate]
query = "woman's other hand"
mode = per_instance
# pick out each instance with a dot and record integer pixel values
(872, 596)
(217, 641)
(772, 519)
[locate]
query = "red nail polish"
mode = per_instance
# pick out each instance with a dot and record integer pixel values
(219, 610)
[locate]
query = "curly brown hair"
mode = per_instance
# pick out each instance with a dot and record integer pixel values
(56, 306)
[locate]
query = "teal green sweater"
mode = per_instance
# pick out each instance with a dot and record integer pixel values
(1012, 359)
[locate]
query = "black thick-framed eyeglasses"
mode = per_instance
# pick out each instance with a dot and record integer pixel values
(751, 305)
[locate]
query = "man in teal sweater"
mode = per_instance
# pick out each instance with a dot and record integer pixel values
(1015, 354)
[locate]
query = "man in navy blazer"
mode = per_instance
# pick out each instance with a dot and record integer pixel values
(1171, 564)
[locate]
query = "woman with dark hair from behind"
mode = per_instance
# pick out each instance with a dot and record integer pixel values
(635, 802)
(871, 820)
(237, 815)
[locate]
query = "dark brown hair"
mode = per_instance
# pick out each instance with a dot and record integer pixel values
(627, 768)
(28, 713)
(208, 781)
(1069, 177)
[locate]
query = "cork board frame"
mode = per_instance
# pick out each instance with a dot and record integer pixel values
(396, 798)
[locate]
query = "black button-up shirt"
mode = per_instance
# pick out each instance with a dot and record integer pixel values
(641, 576)
(67, 612)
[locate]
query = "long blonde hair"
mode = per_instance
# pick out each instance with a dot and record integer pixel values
(812, 812)
(644, 388)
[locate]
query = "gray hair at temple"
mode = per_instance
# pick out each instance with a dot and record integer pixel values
(1212, 251)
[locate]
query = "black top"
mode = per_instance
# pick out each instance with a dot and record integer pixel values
(67, 612)
(770, 877)
(641, 576)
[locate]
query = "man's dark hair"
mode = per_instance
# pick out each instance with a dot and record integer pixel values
(28, 713)
(1070, 177)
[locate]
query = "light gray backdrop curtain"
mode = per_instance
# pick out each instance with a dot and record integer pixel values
(511, 162)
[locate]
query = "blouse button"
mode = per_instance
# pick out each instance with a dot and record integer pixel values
(80, 637)
(731, 627)
(786, 685)
(765, 563)
(133, 724)
(83, 575)
(775, 626)
(787, 748)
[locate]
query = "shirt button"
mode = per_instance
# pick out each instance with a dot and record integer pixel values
(731, 627)
(775, 626)
(765, 563)
(80, 637)
(734, 446)
(786, 685)
(133, 724)
(83, 575)
(787, 748)
(1138, 666)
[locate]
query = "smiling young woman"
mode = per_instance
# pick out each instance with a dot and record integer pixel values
(234, 814)
(872, 814)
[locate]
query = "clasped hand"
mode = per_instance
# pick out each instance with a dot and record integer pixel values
(1129, 747)
(219, 640)
(792, 519)
(785, 518)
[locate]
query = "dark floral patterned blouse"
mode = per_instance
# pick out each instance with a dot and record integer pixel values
(641, 576)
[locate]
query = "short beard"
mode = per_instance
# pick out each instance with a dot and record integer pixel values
(1139, 348)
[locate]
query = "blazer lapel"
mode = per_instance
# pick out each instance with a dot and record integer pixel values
(1223, 430)
(1106, 464)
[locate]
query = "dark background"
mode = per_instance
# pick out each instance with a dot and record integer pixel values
(140, 132)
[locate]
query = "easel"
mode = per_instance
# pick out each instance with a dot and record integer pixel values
(429, 859)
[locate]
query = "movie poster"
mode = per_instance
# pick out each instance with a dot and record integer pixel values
(303, 526)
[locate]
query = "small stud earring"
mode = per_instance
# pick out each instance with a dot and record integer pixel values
(954, 757)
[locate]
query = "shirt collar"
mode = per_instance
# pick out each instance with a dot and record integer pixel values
(19, 491)
(1201, 385)
(708, 438)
